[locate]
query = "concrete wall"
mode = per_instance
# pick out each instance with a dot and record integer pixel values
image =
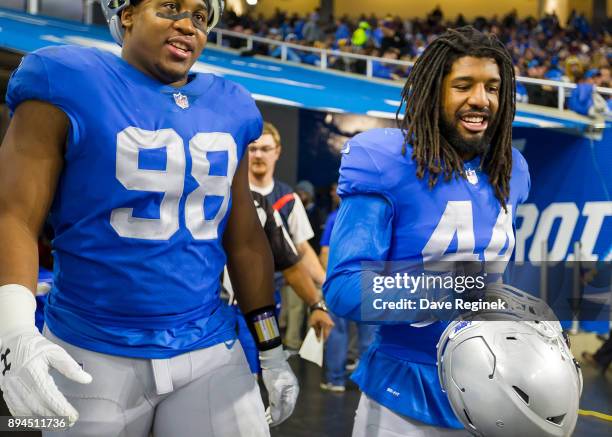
(302, 7)
(451, 8)
(286, 120)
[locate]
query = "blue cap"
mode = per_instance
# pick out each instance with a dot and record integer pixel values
(591, 73)
(533, 63)
(553, 74)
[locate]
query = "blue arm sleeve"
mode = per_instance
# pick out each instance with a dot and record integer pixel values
(327, 229)
(362, 232)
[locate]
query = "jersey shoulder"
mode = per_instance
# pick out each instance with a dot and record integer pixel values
(69, 59)
(233, 90)
(235, 101)
(234, 97)
(42, 72)
(373, 163)
(520, 181)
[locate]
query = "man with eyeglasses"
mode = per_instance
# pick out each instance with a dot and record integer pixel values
(263, 155)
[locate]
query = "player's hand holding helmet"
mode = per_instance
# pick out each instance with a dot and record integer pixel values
(26, 357)
(281, 384)
(507, 375)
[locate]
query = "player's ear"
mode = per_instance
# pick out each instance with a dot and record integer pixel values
(127, 17)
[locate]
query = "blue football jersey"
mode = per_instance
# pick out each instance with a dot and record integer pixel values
(458, 220)
(45, 282)
(142, 201)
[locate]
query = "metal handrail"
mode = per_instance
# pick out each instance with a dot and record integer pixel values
(324, 55)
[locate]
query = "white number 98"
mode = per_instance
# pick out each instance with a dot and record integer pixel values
(171, 182)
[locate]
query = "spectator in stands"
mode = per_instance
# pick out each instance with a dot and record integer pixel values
(276, 51)
(552, 71)
(573, 68)
(342, 30)
(605, 78)
(340, 62)
(541, 48)
(521, 91)
(384, 70)
(362, 34)
(312, 31)
(585, 99)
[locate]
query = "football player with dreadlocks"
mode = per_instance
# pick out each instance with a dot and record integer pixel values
(140, 164)
(444, 186)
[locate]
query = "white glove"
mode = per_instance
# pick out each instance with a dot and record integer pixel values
(25, 359)
(281, 384)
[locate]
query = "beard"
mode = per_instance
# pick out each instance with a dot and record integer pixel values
(258, 168)
(466, 145)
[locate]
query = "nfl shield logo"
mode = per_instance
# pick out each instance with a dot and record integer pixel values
(472, 177)
(181, 100)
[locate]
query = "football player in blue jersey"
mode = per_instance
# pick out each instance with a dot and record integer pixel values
(140, 165)
(445, 186)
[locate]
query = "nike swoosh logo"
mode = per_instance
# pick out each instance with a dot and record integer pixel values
(346, 150)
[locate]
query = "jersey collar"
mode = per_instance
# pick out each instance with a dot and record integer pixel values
(197, 84)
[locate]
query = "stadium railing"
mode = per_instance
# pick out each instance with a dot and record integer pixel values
(563, 88)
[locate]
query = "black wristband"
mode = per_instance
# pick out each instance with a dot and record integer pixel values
(264, 328)
(320, 305)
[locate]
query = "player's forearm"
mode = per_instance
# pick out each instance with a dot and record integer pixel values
(251, 270)
(362, 233)
(302, 284)
(31, 159)
(19, 254)
(345, 297)
(311, 263)
(342, 295)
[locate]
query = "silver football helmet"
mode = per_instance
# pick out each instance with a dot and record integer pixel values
(112, 12)
(522, 304)
(506, 377)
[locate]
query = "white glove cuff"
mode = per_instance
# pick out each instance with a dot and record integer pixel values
(17, 309)
(272, 357)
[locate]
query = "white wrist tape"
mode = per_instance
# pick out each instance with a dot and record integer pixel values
(17, 309)
(272, 358)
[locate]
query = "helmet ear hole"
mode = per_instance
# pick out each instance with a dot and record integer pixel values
(524, 396)
(557, 420)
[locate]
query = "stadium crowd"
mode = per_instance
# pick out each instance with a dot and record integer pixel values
(544, 49)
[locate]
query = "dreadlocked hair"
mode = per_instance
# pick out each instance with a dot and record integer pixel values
(432, 153)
